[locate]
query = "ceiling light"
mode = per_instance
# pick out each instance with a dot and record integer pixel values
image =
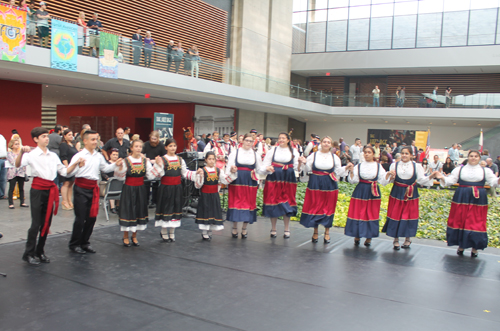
(454, 123)
(430, 122)
(479, 124)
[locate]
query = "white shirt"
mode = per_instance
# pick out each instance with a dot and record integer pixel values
(3, 146)
(245, 157)
(324, 161)
(369, 172)
(356, 150)
(309, 148)
(184, 169)
(470, 173)
(94, 164)
(152, 172)
(223, 178)
(44, 165)
(405, 171)
(281, 155)
(125, 136)
(433, 166)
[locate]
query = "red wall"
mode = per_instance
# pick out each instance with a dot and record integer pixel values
(127, 113)
(21, 109)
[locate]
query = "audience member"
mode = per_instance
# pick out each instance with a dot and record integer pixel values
(151, 149)
(113, 157)
(55, 139)
(497, 161)
(414, 150)
(485, 154)
(492, 166)
(436, 165)
(82, 32)
(447, 95)
(15, 176)
(170, 56)
(398, 97)
(201, 143)
(195, 59)
(3, 169)
(122, 145)
(42, 23)
(31, 21)
(126, 132)
(376, 96)
(356, 150)
(453, 154)
(178, 56)
(67, 151)
(434, 97)
(385, 162)
(376, 156)
(448, 166)
(95, 25)
(342, 144)
(149, 43)
(137, 46)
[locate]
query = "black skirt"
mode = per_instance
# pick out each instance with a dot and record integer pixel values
(170, 203)
(209, 210)
(133, 206)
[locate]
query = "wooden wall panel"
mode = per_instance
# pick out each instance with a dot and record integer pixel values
(333, 85)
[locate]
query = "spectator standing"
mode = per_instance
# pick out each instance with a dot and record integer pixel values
(434, 97)
(95, 25)
(15, 176)
(67, 151)
(137, 46)
(170, 54)
(356, 150)
(453, 154)
(342, 144)
(376, 155)
(485, 154)
(398, 97)
(414, 150)
(195, 59)
(402, 97)
(55, 140)
(187, 62)
(376, 96)
(126, 133)
(42, 24)
(492, 166)
(78, 137)
(151, 149)
(178, 56)
(82, 32)
(31, 20)
(497, 161)
(447, 95)
(122, 145)
(201, 144)
(149, 43)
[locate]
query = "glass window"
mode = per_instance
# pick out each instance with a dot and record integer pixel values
(338, 3)
(455, 28)
(381, 33)
(375, 2)
(359, 12)
(482, 26)
(316, 34)
(318, 4)
(430, 6)
(317, 16)
(299, 5)
(404, 31)
(358, 35)
(300, 17)
(383, 10)
(484, 4)
(336, 36)
(299, 38)
(338, 14)
(429, 30)
(354, 3)
(406, 8)
(457, 5)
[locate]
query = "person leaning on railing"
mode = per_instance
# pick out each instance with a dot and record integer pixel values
(82, 31)
(178, 56)
(95, 25)
(170, 53)
(43, 24)
(30, 21)
(195, 59)
(149, 43)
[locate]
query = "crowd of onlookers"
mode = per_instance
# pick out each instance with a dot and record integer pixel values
(38, 24)
(400, 97)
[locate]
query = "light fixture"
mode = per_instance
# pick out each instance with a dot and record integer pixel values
(430, 122)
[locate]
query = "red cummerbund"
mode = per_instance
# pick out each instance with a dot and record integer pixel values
(210, 188)
(85, 183)
(170, 180)
(134, 181)
(244, 168)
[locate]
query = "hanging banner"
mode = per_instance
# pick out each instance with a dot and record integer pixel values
(164, 124)
(108, 53)
(12, 34)
(63, 53)
(391, 136)
(421, 139)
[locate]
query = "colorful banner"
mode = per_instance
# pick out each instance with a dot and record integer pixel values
(64, 46)
(421, 139)
(108, 52)
(164, 124)
(12, 34)
(391, 136)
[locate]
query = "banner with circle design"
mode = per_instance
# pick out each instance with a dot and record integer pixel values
(64, 46)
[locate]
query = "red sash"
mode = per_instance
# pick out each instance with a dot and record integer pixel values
(44, 185)
(409, 189)
(170, 180)
(373, 186)
(325, 173)
(90, 185)
(134, 181)
(283, 166)
(252, 172)
(475, 190)
(210, 188)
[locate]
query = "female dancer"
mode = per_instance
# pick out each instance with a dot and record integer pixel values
(364, 209)
(243, 190)
(280, 165)
(402, 211)
(469, 208)
(133, 212)
(322, 190)
(170, 195)
(209, 211)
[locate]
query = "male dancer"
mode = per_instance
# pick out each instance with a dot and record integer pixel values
(234, 139)
(44, 193)
(313, 145)
(86, 191)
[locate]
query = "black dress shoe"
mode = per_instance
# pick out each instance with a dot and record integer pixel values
(244, 236)
(113, 210)
(234, 235)
(406, 245)
(314, 240)
(43, 258)
(126, 244)
(472, 254)
(24, 205)
(273, 235)
(78, 250)
(31, 260)
(397, 248)
(460, 253)
(326, 241)
(207, 238)
(367, 243)
(89, 249)
(356, 242)
(135, 242)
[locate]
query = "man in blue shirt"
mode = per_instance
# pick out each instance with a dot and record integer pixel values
(95, 25)
(201, 144)
(453, 154)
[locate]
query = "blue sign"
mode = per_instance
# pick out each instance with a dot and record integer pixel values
(64, 46)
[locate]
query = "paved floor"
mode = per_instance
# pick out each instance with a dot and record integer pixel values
(234, 284)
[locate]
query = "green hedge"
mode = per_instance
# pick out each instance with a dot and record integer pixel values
(434, 209)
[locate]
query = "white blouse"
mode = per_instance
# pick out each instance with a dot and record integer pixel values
(470, 173)
(184, 169)
(245, 157)
(152, 172)
(281, 155)
(199, 180)
(324, 161)
(369, 172)
(405, 171)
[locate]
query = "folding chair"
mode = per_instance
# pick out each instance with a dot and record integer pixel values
(113, 192)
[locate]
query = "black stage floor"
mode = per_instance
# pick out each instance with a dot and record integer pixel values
(254, 284)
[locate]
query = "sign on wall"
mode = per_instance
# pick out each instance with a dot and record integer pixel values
(164, 124)
(391, 136)
(108, 53)
(12, 34)
(421, 139)
(63, 54)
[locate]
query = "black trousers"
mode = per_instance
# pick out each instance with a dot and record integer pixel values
(177, 66)
(153, 188)
(170, 59)
(137, 51)
(84, 224)
(39, 200)
(12, 185)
